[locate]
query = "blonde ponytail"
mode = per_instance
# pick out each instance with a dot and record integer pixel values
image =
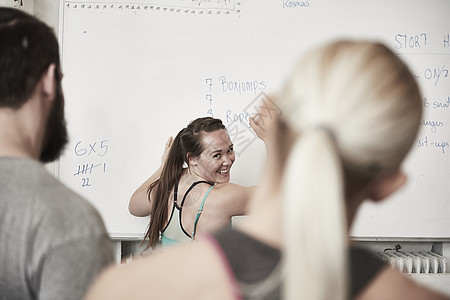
(315, 257)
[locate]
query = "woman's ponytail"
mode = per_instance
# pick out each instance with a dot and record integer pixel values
(161, 188)
(315, 257)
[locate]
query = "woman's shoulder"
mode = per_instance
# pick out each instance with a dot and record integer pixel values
(232, 190)
(228, 186)
(202, 276)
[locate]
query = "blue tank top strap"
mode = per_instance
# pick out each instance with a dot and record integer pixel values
(200, 210)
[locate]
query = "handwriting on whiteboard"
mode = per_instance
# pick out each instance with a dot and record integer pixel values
(178, 7)
(95, 163)
(434, 75)
(295, 4)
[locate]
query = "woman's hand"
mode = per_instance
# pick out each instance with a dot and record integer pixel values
(258, 125)
(265, 119)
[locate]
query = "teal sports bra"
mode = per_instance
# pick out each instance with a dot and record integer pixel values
(174, 233)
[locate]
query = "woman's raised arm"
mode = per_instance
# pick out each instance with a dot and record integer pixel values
(140, 204)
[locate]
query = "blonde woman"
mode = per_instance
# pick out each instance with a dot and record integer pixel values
(351, 112)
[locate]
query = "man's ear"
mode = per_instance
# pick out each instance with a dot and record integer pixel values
(48, 82)
(388, 185)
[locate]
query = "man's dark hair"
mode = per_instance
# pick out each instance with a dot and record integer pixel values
(27, 48)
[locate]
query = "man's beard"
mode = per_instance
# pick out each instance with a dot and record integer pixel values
(56, 136)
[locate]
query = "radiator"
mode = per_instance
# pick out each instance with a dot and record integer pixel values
(415, 262)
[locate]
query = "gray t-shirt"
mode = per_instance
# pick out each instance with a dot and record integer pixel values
(52, 242)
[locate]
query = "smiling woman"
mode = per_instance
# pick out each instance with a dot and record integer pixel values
(190, 193)
(214, 163)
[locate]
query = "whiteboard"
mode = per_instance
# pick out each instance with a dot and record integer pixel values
(137, 72)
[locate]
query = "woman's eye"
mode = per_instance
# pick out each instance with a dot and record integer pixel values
(230, 150)
(216, 156)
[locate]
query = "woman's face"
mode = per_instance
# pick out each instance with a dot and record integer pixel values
(215, 162)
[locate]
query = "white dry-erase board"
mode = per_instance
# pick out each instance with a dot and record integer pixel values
(136, 72)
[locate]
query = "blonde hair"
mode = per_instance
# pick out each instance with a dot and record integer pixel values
(355, 109)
